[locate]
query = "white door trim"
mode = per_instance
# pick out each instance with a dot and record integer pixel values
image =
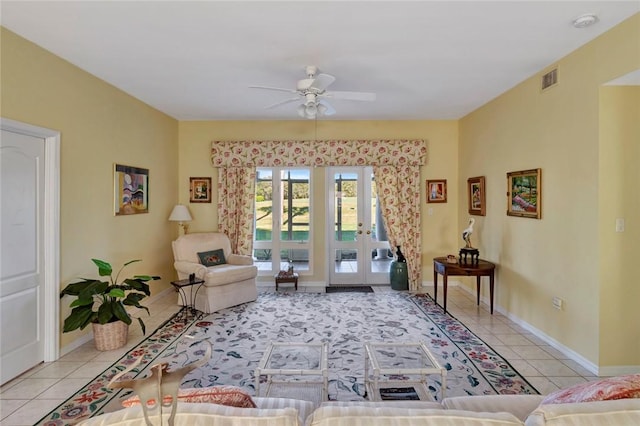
(51, 234)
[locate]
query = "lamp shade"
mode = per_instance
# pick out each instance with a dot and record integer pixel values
(180, 213)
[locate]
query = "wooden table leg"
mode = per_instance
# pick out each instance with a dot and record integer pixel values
(435, 286)
(491, 290)
(444, 286)
(478, 290)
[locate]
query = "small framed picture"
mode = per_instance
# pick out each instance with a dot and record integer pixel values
(437, 191)
(524, 193)
(475, 189)
(131, 190)
(200, 190)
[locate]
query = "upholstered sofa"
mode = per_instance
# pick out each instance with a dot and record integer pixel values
(229, 283)
(503, 410)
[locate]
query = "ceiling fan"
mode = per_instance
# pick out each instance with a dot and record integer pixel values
(314, 94)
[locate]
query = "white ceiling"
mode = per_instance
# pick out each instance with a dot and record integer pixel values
(423, 59)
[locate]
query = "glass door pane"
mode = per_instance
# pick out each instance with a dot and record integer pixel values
(358, 246)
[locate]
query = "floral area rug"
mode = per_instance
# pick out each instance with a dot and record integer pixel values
(346, 321)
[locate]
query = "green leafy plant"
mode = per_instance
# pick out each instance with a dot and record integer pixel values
(104, 301)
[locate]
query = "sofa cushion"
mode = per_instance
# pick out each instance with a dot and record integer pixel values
(518, 405)
(392, 416)
(304, 408)
(226, 274)
(223, 395)
(389, 403)
(600, 390)
(200, 414)
(212, 257)
(595, 413)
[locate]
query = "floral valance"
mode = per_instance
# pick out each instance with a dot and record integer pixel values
(318, 153)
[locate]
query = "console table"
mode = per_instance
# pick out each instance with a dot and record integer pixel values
(478, 269)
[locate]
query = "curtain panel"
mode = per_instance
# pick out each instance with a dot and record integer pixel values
(396, 165)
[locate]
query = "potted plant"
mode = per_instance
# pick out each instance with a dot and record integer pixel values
(102, 304)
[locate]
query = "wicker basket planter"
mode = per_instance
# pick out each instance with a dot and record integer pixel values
(109, 336)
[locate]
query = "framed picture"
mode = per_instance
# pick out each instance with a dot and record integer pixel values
(200, 190)
(475, 189)
(131, 190)
(524, 193)
(437, 191)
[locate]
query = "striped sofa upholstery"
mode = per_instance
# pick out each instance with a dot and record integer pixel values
(196, 414)
(493, 410)
(399, 416)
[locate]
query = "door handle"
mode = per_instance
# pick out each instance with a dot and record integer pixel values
(360, 231)
(360, 224)
(368, 232)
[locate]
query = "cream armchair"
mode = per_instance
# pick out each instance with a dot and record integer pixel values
(225, 285)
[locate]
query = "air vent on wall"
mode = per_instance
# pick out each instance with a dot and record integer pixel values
(550, 79)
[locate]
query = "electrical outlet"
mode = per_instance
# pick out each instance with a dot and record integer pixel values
(430, 211)
(557, 302)
(620, 224)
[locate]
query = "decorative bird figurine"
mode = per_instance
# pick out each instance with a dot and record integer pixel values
(466, 234)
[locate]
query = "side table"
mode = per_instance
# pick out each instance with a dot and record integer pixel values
(287, 367)
(181, 287)
(287, 279)
(479, 268)
(386, 362)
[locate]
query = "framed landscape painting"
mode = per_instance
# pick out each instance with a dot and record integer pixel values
(131, 190)
(524, 193)
(475, 189)
(437, 191)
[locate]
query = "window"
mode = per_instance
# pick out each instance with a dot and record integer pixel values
(282, 231)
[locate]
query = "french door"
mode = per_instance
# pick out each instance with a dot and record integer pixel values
(358, 248)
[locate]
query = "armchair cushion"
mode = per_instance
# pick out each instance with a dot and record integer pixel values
(227, 273)
(212, 257)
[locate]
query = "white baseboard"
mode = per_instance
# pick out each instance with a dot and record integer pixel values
(570, 353)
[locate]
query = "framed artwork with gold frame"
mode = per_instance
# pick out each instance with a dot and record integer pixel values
(200, 190)
(476, 195)
(524, 193)
(437, 191)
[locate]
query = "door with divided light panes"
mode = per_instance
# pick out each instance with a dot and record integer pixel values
(359, 252)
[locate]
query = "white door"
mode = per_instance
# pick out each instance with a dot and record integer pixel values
(358, 248)
(21, 253)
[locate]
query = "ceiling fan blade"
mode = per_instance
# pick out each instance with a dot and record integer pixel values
(304, 84)
(279, 89)
(329, 109)
(322, 81)
(351, 96)
(286, 101)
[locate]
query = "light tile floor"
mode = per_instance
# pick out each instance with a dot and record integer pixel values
(24, 400)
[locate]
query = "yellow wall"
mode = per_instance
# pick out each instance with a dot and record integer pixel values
(571, 132)
(561, 254)
(439, 229)
(99, 125)
(619, 197)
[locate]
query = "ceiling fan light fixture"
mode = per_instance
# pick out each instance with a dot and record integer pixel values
(308, 110)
